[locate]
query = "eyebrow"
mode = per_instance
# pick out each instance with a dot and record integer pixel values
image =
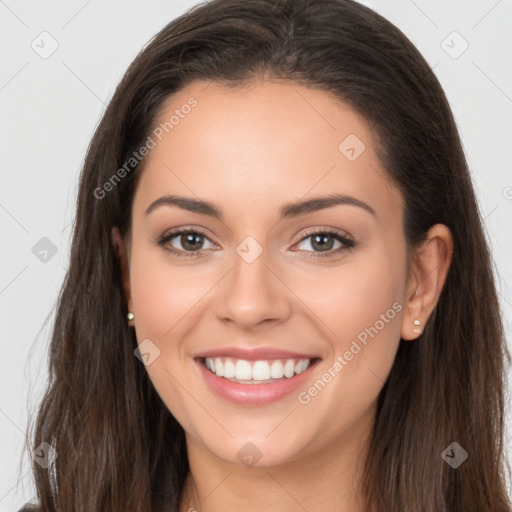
(289, 210)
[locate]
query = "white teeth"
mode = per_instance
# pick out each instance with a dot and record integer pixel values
(299, 368)
(229, 369)
(261, 370)
(289, 368)
(277, 370)
(210, 364)
(251, 371)
(242, 370)
(219, 367)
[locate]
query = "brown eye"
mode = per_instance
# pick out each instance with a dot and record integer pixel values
(184, 242)
(324, 241)
(191, 241)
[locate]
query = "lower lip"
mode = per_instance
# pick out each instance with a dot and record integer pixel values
(254, 394)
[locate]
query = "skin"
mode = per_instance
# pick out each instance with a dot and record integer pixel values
(251, 150)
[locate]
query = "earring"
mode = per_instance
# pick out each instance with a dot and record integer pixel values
(130, 316)
(416, 322)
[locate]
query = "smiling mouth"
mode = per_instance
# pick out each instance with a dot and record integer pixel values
(265, 371)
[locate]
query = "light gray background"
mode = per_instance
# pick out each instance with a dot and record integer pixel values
(50, 107)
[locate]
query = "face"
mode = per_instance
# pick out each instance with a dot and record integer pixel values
(268, 271)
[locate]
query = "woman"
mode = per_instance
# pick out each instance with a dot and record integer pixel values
(280, 295)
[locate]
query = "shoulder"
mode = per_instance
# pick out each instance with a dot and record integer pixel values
(29, 508)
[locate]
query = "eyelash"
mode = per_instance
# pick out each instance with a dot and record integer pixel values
(346, 242)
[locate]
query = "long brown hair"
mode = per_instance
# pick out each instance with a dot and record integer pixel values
(118, 447)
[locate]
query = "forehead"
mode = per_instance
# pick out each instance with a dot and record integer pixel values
(264, 143)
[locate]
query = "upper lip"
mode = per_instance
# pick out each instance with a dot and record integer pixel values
(254, 354)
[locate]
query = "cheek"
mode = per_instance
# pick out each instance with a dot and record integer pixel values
(163, 293)
(362, 308)
(167, 304)
(363, 297)
(355, 297)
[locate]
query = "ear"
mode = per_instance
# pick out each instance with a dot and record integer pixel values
(121, 250)
(429, 267)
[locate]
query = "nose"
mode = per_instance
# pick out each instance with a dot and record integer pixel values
(253, 295)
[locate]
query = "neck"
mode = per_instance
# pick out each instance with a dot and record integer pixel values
(325, 480)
